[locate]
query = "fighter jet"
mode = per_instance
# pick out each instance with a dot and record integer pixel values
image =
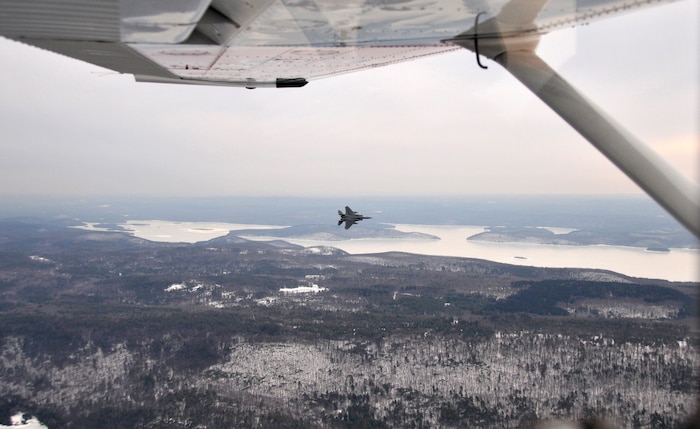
(350, 217)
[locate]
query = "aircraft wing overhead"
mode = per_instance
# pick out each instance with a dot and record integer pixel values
(286, 43)
(268, 43)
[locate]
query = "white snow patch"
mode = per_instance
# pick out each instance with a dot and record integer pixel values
(321, 250)
(18, 422)
(39, 258)
(175, 287)
(314, 288)
(268, 301)
(556, 230)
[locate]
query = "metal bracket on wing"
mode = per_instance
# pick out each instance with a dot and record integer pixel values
(476, 40)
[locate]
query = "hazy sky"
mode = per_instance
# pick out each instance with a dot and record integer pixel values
(436, 126)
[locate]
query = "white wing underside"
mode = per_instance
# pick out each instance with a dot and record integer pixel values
(269, 43)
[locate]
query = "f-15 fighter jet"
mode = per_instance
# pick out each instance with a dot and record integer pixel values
(350, 217)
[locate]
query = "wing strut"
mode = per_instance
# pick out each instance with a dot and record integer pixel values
(673, 191)
(500, 41)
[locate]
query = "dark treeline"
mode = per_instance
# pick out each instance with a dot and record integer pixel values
(544, 297)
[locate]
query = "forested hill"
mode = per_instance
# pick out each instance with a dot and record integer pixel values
(101, 329)
(550, 296)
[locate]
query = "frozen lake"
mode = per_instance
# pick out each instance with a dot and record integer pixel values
(676, 265)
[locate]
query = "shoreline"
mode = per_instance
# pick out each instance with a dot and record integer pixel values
(676, 265)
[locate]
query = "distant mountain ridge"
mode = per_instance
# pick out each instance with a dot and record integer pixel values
(333, 233)
(654, 240)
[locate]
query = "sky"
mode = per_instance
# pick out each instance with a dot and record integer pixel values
(436, 126)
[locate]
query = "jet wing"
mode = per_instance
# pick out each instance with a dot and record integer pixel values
(349, 211)
(267, 43)
(349, 223)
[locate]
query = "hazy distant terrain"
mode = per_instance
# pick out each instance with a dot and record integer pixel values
(658, 240)
(613, 220)
(102, 329)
